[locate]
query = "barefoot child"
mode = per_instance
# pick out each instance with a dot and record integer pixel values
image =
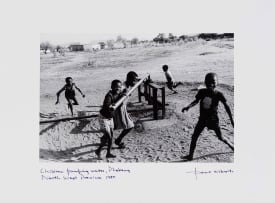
(171, 84)
(69, 88)
(209, 99)
(122, 119)
(106, 118)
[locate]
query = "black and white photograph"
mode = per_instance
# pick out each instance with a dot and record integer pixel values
(137, 101)
(160, 98)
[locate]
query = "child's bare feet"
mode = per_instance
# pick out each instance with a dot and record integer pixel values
(188, 157)
(109, 155)
(97, 152)
(121, 145)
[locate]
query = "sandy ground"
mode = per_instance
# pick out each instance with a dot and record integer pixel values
(152, 140)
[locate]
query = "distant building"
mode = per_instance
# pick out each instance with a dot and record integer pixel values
(96, 47)
(76, 47)
(92, 47)
(119, 45)
(43, 51)
(228, 35)
(102, 45)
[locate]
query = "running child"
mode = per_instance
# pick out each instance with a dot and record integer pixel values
(106, 118)
(171, 84)
(69, 89)
(209, 99)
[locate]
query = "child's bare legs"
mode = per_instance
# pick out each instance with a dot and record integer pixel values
(103, 141)
(177, 84)
(109, 146)
(106, 138)
(121, 136)
(223, 139)
(198, 129)
(75, 101)
(170, 87)
(70, 105)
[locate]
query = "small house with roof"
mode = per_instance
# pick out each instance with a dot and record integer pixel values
(76, 47)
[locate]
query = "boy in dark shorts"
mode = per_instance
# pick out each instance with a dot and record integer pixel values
(69, 88)
(209, 99)
(106, 118)
(171, 84)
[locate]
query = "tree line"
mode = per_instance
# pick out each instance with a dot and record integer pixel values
(160, 38)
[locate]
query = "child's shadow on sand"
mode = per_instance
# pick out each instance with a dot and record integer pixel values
(82, 124)
(66, 155)
(201, 157)
(49, 127)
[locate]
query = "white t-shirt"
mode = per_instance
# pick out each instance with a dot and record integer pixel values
(169, 76)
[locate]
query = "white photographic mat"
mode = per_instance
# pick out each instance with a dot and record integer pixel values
(248, 177)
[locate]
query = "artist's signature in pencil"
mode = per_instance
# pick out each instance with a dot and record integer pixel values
(197, 172)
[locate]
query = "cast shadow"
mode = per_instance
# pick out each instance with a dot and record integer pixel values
(48, 128)
(93, 106)
(65, 154)
(50, 115)
(82, 124)
(201, 157)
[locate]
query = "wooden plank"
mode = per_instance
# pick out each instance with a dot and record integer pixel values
(155, 103)
(139, 94)
(163, 102)
(122, 99)
(153, 85)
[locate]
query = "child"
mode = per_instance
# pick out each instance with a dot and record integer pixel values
(209, 99)
(69, 93)
(122, 119)
(106, 118)
(171, 84)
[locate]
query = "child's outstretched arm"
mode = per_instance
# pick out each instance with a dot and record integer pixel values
(227, 108)
(58, 93)
(83, 95)
(193, 103)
